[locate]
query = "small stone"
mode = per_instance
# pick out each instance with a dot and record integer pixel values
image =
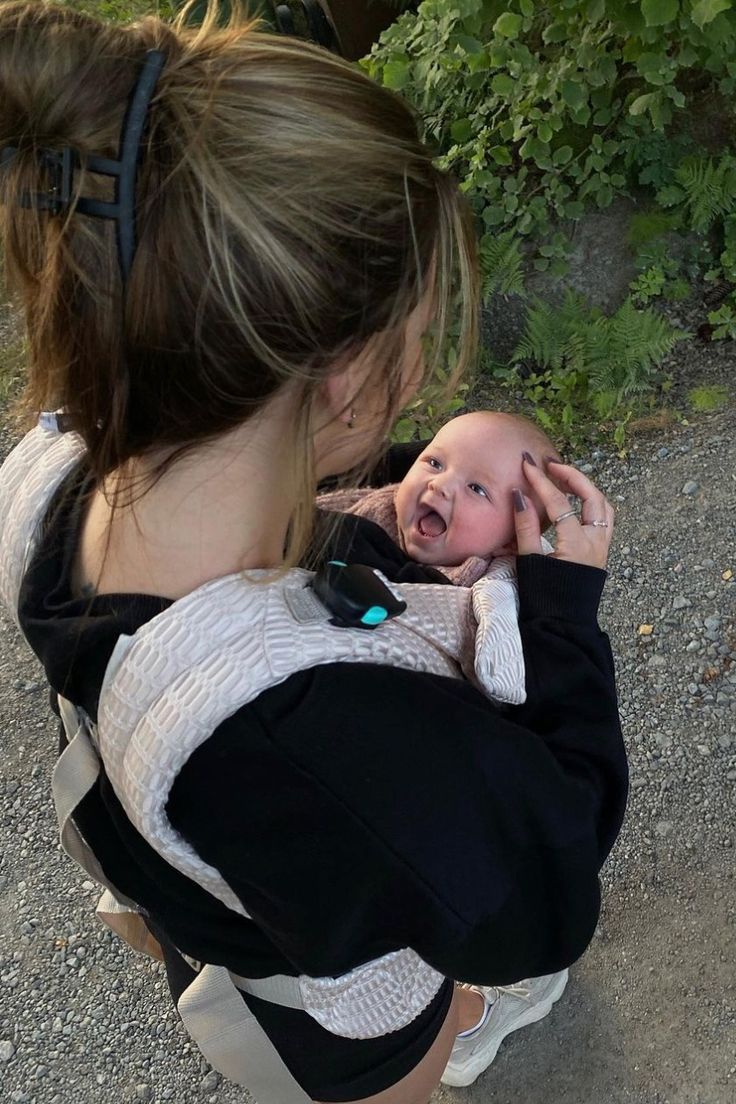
(680, 602)
(211, 1081)
(712, 623)
(690, 488)
(143, 1092)
(663, 453)
(7, 1050)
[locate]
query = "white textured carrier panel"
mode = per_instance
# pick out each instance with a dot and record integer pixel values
(28, 479)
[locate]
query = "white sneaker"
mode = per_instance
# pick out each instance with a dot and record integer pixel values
(508, 1007)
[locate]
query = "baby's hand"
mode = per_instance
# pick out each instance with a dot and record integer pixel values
(585, 539)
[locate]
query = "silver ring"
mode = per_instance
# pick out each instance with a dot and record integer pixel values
(602, 524)
(570, 513)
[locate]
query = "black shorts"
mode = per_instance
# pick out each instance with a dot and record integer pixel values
(329, 1067)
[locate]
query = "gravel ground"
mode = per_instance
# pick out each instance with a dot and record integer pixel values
(649, 1016)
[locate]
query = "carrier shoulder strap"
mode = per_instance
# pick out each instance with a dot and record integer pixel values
(29, 478)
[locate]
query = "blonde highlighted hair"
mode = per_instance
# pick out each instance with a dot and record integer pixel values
(287, 216)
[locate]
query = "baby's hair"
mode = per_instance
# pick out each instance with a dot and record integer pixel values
(288, 220)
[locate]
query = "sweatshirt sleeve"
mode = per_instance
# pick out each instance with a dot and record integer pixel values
(371, 808)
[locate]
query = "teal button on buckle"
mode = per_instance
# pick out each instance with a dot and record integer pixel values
(374, 616)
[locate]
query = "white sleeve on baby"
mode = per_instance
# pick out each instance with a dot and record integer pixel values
(498, 664)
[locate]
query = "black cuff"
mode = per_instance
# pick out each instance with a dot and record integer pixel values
(558, 588)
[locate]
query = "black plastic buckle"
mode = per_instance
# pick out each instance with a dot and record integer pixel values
(355, 595)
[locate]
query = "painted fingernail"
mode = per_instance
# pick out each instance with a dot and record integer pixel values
(519, 500)
(529, 459)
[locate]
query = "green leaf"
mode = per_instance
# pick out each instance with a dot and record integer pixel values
(574, 209)
(527, 8)
(642, 103)
(404, 430)
(705, 11)
(559, 267)
(573, 94)
(558, 32)
(461, 130)
(582, 116)
(508, 25)
(493, 216)
(653, 67)
(603, 117)
(659, 12)
(562, 155)
(544, 132)
(501, 155)
(670, 195)
(469, 45)
(396, 74)
(503, 85)
(532, 147)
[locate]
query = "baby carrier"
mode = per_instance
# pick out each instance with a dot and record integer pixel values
(167, 688)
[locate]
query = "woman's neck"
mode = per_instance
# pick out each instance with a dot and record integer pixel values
(222, 509)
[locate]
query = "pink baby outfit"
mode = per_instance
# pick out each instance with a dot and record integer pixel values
(379, 504)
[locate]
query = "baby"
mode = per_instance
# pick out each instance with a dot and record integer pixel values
(454, 508)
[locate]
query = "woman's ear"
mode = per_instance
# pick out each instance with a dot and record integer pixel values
(340, 390)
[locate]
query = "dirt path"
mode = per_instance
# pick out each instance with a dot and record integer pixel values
(649, 1016)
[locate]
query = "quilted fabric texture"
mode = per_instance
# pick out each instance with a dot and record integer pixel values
(28, 479)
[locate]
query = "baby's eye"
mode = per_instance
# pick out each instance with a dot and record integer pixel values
(479, 489)
(433, 463)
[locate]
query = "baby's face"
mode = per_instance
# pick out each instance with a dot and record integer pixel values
(456, 500)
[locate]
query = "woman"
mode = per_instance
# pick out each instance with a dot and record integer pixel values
(254, 324)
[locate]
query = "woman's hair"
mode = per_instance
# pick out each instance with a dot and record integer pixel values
(287, 220)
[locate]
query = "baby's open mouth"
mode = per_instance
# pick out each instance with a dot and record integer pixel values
(431, 524)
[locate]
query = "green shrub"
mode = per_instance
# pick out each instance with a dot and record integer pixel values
(545, 110)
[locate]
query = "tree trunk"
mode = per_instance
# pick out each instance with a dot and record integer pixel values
(357, 24)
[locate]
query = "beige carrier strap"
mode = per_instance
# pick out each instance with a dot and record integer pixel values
(76, 771)
(232, 1040)
(212, 1010)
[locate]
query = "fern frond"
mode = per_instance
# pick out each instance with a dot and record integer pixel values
(710, 190)
(640, 340)
(502, 265)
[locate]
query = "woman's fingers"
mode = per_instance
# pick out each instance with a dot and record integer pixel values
(585, 540)
(528, 529)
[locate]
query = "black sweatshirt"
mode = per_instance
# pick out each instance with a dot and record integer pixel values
(357, 809)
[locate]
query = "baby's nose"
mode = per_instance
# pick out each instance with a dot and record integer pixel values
(439, 484)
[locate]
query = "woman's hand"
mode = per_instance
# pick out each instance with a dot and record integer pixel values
(583, 539)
